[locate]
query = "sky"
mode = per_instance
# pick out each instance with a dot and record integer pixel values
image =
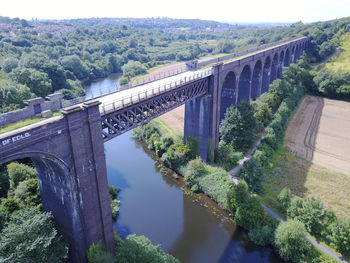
(218, 10)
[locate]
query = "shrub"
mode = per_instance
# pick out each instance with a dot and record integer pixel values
(237, 120)
(249, 214)
(193, 144)
(113, 192)
(284, 198)
(226, 157)
(135, 249)
(31, 237)
(237, 195)
(291, 242)
(177, 155)
(340, 235)
(19, 172)
(252, 173)
(10, 205)
(28, 192)
(195, 168)
(4, 182)
(98, 254)
(309, 211)
(262, 235)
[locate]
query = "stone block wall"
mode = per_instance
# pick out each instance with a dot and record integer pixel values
(34, 107)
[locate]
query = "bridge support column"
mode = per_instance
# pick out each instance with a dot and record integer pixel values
(91, 214)
(202, 117)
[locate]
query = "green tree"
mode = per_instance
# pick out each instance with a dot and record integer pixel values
(308, 211)
(176, 156)
(10, 205)
(135, 249)
(19, 172)
(195, 169)
(249, 214)
(31, 237)
(284, 198)
(253, 174)
(97, 253)
(340, 235)
(239, 126)
(74, 64)
(237, 195)
(4, 182)
(38, 82)
(291, 242)
(9, 64)
(28, 192)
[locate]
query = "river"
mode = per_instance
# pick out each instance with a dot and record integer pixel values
(156, 204)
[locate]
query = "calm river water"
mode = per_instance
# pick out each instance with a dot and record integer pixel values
(154, 203)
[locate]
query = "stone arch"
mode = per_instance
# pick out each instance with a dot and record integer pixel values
(293, 54)
(286, 58)
(58, 190)
(274, 67)
(244, 84)
(266, 75)
(228, 93)
(280, 65)
(256, 80)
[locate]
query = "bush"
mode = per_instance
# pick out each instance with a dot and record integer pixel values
(195, 169)
(284, 198)
(262, 235)
(176, 156)
(237, 120)
(193, 144)
(113, 192)
(252, 173)
(135, 249)
(340, 235)
(249, 214)
(28, 192)
(4, 182)
(237, 195)
(31, 237)
(10, 205)
(308, 211)
(291, 242)
(226, 157)
(98, 254)
(19, 172)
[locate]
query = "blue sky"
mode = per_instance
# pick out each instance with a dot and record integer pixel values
(219, 10)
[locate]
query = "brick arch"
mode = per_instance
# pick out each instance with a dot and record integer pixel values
(256, 80)
(244, 84)
(228, 93)
(280, 64)
(274, 67)
(266, 75)
(59, 192)
(286, 60)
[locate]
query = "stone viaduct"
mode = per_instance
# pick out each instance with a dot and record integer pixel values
(68, 150)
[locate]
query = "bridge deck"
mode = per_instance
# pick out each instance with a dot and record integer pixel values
(114, 101)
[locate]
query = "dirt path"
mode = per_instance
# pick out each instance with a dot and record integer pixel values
(320, 132)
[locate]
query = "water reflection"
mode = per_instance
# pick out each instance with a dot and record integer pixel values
(190, 227)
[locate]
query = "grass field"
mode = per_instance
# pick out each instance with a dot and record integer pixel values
(305, 179)
(23, 123)
(341, 61)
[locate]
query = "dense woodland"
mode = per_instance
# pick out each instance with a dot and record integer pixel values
(41, 57)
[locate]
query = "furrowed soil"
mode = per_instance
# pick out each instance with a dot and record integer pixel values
(320, 133)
